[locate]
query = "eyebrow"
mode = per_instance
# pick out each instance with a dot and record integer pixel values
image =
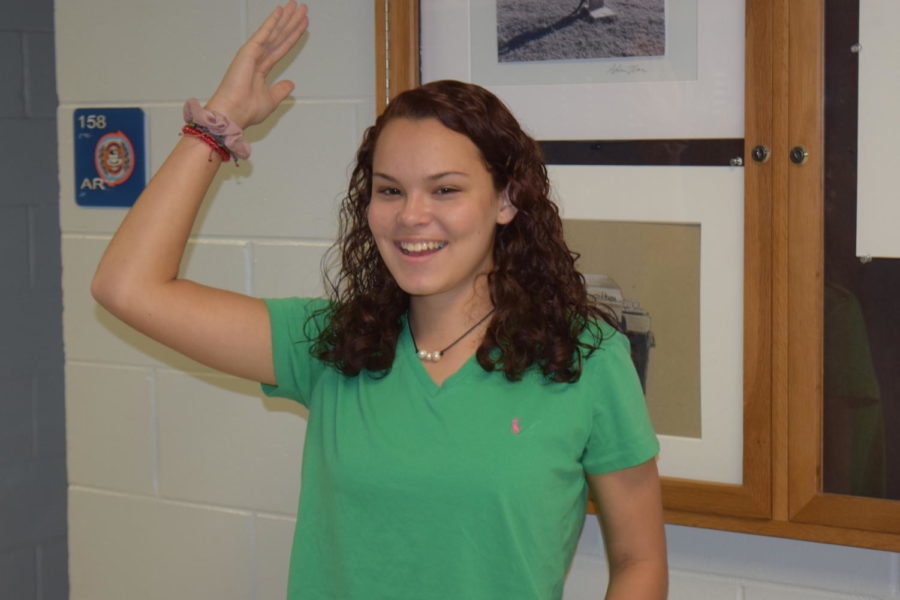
(434, 177)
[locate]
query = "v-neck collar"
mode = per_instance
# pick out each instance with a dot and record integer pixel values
(406, 351)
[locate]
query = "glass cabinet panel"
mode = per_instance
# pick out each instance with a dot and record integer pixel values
(861, 387)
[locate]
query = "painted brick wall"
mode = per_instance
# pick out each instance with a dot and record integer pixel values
(32, 418)
(183, 483)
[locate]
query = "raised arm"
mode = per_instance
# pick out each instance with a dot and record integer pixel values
(137, 279)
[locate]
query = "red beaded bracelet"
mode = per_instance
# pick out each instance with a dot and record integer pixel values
(209, 140)
(226, 131)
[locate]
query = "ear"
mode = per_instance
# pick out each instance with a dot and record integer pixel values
(507, 210)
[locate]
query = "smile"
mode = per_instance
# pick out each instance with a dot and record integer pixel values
(414, 248)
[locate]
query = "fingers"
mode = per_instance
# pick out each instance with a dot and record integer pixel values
(291, 9)
(283, 40)
(292, 25)
(283, 17)
(281, 90)
(288, 20)
(265, 30)
(273, 29)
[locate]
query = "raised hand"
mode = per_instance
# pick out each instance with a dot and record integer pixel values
(244, 95)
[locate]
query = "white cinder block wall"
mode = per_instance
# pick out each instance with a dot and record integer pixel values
(183, 483)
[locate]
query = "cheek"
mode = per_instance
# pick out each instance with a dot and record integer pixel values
(379, 226)
(372, 219)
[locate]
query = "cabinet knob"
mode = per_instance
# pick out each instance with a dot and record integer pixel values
(799, 154)
(760, 153)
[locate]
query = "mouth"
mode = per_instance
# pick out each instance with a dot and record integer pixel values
(419, 248)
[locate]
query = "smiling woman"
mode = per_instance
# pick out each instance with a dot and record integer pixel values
(495, 186)
(434, 211)
(448, 240)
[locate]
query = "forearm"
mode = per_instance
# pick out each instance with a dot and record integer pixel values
(146, 252)
(639, 580)
(147, 249)
(137, 279)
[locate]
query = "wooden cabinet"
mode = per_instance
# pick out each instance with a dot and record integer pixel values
(781, 493)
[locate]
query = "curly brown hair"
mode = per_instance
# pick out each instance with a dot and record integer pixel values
(542, 305)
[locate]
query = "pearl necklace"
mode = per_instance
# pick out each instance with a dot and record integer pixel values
(436, 355)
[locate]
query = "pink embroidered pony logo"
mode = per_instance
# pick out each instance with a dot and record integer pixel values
(515, 426)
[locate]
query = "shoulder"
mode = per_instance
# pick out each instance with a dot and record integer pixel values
(301, 319)
(606, 357)
(598, 329)
(599, 337)
(621, 432)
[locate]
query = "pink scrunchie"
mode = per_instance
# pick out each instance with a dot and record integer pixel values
(217, 124)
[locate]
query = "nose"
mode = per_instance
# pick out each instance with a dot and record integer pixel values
(415, 210)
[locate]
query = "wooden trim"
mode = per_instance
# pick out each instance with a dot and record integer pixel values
(750, 500)
(872, 519)
(872, 514)
(780, 275)
(805, 251)
(381, 68)
(396, 49)
(753, 498)
(798, 531)
(757, 388)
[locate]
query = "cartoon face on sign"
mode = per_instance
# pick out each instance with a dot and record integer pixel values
(114, 158)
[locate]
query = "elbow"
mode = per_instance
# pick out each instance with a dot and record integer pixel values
(126, 294)
(102, 290)
(109, 292)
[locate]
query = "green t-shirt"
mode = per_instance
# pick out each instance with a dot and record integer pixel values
(473, 490)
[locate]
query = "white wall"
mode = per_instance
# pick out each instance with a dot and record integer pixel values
(183, 483)
(32, 413)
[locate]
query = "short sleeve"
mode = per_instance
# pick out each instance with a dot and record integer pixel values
(621, 433)
(293, 333)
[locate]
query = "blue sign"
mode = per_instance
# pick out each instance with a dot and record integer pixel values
(110, 156)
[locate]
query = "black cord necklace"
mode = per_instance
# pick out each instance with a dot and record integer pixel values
(437, 354)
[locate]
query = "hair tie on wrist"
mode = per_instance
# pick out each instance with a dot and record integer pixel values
(209, 140)
(222, 129)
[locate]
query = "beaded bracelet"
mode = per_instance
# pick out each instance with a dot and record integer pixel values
(218, 139)
(226, 132)
(209, 140)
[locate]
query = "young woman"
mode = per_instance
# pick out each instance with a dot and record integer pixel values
(463, 392)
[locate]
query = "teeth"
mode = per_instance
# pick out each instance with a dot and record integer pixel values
(421, 246)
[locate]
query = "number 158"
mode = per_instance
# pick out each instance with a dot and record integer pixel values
(92, 121)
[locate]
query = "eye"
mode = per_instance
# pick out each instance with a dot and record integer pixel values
(446, 190)
(388, 191)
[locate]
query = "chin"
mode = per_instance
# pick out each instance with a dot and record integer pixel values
(417, 289)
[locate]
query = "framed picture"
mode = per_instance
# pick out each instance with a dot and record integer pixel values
(516, 42)
(673, 239)
(648, 276)
(693, 89)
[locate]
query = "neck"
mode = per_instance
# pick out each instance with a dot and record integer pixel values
(437, 321)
